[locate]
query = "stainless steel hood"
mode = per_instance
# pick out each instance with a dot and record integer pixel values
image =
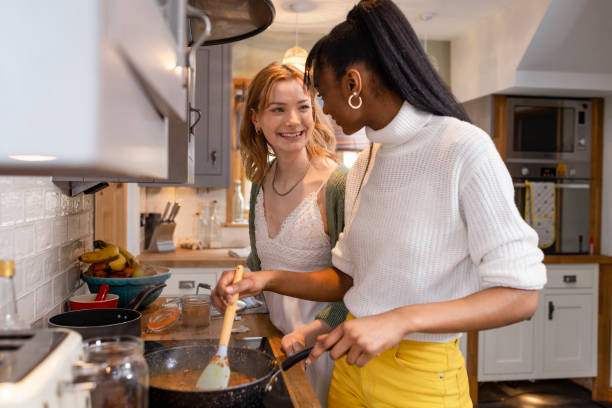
(231, 20)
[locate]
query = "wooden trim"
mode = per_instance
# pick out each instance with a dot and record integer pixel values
(235, 225)
(601, 383)
(237, 171)
(596, 171)
(472, 365)
(499, 124)
(110, 214)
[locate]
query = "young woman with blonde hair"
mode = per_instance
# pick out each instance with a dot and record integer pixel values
(297, 198)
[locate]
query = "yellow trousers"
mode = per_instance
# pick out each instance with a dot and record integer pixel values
(412, 374)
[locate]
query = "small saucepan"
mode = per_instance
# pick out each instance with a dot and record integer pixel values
(106, 322)
(255, 364)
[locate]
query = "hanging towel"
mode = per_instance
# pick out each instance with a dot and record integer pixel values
(540, 211)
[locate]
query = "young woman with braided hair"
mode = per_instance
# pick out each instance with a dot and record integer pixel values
(433, 244)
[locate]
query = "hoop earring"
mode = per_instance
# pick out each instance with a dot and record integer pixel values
(258, 131)
(350, 101)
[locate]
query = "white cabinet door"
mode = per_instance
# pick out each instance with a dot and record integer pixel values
(507, 352)
(570, 336)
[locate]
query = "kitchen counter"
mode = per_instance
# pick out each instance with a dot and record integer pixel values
(187, 258)
(300, 391)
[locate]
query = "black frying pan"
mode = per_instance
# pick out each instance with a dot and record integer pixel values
(106, 322)
(253, 363)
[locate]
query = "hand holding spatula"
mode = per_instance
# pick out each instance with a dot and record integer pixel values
(216, 375)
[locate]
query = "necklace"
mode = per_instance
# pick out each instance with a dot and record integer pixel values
(292, 187)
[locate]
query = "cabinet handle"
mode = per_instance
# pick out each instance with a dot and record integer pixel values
(199, 112)
(213, 156)
(551, 309)
(569, 278)
(186, 284)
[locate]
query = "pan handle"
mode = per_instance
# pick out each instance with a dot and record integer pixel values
(143, 296)
(287, 364)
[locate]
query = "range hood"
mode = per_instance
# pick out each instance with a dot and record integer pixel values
(543, 48)
(231, 20)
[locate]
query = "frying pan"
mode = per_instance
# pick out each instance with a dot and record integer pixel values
(106, 322)
(253, 363)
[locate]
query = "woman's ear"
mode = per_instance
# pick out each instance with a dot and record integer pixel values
(354, 81)
(254, 119)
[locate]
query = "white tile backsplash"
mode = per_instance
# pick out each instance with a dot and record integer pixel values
(44, 231)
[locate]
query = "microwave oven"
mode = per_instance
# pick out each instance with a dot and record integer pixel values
(550, 130)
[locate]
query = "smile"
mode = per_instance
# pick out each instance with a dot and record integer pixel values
(292, 134)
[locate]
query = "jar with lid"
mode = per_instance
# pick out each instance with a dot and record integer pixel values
(9, 319)
(119, 370)
(196, 308)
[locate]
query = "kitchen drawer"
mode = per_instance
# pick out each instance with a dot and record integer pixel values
(571, 276)
(185, 280)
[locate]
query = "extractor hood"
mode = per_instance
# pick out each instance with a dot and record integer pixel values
(231, 20)
(543, 48)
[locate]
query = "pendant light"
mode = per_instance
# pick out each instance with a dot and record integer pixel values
(432, 59)
(296, 55)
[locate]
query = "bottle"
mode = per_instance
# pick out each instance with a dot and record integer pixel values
(214, 227)
(237, 203)
(9, 320)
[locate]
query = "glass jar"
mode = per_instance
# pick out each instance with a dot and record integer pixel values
(214, 227)
(9, 319)
(196, 310)
(237, 203)
(119, 370)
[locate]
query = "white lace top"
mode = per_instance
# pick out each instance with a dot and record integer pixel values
(300, 246)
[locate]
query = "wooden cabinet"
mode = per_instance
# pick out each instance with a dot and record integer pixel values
(559, 341)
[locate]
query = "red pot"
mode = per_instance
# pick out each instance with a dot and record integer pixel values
(88, 302)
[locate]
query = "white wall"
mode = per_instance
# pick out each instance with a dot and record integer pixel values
(485, 57)
(44, 231)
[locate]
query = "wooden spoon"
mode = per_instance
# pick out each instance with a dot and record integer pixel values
(216, 375)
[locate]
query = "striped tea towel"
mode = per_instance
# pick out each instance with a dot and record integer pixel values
(540, 210)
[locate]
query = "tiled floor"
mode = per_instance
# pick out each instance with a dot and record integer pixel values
(526, 394)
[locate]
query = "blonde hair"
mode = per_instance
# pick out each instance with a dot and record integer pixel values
(253, 146)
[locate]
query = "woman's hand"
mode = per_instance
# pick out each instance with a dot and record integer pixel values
(303, 337)
(360, 339)
(252, 284)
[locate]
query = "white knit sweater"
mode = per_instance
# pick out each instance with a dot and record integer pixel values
(435, 219)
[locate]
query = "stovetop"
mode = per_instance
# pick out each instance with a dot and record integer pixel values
(278, 397)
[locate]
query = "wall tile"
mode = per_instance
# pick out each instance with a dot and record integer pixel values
(50, 263)
(73, 227)
(44, 298)
(6, 243)
(24, 240)
(26, 307)
(33, 205)
(84, 224)
(33, 272)
(20, 277)
(60, 229)
(43, 234)
(60, 288)
(52, 204)
(11, 208)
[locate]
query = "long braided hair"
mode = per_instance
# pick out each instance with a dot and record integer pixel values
(377, 33)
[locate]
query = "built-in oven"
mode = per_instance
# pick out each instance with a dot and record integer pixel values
(572, 201)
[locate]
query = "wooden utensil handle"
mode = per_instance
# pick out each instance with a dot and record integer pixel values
(230, 312)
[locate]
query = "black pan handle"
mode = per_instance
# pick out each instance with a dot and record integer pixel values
(143, 296)
(287, 364)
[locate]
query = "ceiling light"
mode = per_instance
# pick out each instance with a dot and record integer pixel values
(32, 157)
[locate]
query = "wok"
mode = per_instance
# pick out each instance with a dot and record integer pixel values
(106, 322)
(253, 363)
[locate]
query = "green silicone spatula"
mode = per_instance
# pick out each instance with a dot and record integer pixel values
(217, 373)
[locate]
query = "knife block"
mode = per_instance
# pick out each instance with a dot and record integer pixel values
(162, 238)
